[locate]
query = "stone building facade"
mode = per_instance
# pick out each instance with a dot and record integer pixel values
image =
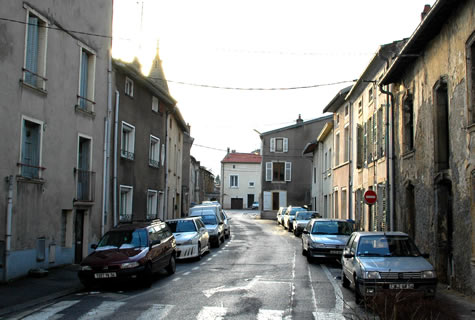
(434, 140)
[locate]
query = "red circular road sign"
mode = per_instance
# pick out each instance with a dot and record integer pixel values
(370, 197)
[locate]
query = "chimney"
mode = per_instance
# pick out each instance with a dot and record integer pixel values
(425, 11)
(228, 150)
(299, 120)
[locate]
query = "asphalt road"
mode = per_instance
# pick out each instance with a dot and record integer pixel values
(259, 273)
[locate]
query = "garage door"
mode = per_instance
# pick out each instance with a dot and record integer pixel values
(236, 203)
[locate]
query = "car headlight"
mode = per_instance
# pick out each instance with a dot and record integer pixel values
(129, 265)
(429, 274)
(317, 245)
(86, 268)
(372, 275)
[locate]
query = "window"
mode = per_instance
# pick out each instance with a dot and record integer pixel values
(441, 126)
(233, 181)
(408, 119)
(129, 87)
(35, 54)
(125, 205)
(369, 140)
(346, 111)
(279, 145)
(31, 149)
(128, 141)
(471, 78)
(370, 94)
(381, 134)
(360, 106)
(86, 80)
(85, 177)
(343, 204)
(155, 104)
(278, 173)
(335, 198)
(251, 184)
(154, 152)
(152, 204)
(269, 171)
(347, 144)
(337, 149)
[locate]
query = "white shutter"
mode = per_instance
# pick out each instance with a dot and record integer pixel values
(163, 154)
(272, 144)
(286, 144)
(283, 199)
(268, 171)
(267, 200)
(288, 171)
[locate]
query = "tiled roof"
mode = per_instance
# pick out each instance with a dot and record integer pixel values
(242, 158)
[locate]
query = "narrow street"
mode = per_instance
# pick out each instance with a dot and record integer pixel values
(259, 273)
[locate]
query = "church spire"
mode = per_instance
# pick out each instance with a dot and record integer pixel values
(156, 72)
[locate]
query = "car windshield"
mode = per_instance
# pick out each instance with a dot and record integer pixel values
(387, 246)
(182, 226)
(332, 227)
(209, 220)
(293, 211)
(304, 215)
(123, 239)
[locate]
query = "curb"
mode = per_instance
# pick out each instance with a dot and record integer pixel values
(42, 300)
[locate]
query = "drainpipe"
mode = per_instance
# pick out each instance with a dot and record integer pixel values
(8, 234)
(107, 121)
(389, 145)
(116, 125)
(165, 203)
(350, 162)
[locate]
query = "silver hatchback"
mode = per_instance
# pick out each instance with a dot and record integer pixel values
(378, 262)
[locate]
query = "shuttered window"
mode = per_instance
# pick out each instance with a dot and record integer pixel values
(288, 171)
(268, 171)
(35, 52)
(30, 149)
(279, 145)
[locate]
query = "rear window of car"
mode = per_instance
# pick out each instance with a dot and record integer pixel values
(332, 227)
(294, 210)
(182, 226)
(209, 219)
(305, 215)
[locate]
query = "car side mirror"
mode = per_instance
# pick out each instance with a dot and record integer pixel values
(348, 255)
(94, 246)
(425, 255)
(221, 222)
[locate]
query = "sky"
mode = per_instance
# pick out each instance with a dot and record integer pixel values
(214, 51)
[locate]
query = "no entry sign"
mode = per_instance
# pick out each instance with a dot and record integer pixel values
(370, 197)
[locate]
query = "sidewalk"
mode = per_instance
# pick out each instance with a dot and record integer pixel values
(26, 292)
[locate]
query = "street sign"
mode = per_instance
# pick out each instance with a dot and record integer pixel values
(370, 197)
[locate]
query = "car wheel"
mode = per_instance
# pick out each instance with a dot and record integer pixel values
(296, 233)
(226, 236)
(358, 296)
(171, 265)
(198, 257)
(309, 258)
(344, 280)
(147, 276)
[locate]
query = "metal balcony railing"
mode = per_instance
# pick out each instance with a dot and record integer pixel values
(127, 154)
(85, 185)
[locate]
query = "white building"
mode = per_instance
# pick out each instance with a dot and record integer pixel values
(241, 180)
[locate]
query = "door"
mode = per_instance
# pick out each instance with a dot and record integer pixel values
(236, 203)
(250, 200)
(78, 235)
(275, 200)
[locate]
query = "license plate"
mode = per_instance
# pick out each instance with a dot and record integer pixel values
(335, 251)
(105, 275)
(401, 286)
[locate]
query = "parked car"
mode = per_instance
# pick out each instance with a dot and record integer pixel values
(130, 251)
(325, 238)
(227, 227)
(192, 238)
(301, 220)
(378, 262)
(212, 218)
(280, 215)
(255, 205)
(289, 216)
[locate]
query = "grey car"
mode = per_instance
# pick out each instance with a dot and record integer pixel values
(377, 262)
(289, 216)
(325, 238)
(301, 220)
(280, 215)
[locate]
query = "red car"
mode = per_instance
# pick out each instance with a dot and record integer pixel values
(131, 251)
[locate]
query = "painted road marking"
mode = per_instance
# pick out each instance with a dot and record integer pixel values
(195, 268)
(211, 313)
(338, 294)
(186, 273)
(48, 312)
(156, 311)
(176, 279)
(105, 309)
(265, 314)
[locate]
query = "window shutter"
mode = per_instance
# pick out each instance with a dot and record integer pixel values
(32, 50)
(272, 144)
(359, 151)
(286, 144)
(268, 171)
(84, 78)
(163, 154)
(288, 171)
